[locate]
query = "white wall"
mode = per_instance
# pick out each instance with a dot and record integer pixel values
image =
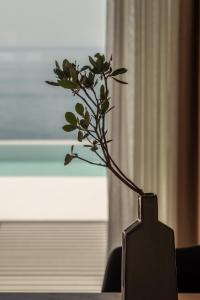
(53, 198)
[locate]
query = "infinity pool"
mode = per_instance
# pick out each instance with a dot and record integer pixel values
(46, 160)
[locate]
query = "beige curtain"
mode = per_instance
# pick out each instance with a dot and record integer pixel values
(155, 123)
(143, 36)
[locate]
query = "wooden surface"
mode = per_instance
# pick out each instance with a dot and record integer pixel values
(76, 296)
(189, 297)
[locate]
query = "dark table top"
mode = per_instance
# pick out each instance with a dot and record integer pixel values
(59, 296)
(76, 296)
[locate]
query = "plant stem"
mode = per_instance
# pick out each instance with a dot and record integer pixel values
(76, 93)
(100, 157)
(95, 95)
(135, 189)
(90, 162)
(103, 120)
(120, 171)
(120, 175)
(88, 95)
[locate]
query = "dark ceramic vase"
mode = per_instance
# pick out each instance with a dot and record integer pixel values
(148, 263)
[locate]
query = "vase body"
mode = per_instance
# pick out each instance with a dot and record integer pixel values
(148, 256)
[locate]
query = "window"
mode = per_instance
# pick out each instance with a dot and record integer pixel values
(43, 203)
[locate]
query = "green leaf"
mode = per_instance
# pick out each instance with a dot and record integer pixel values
(87, 118)
(100, 57)
(106, 66)
(59, 73)
(72, 148)
(68, 159)
(85, 135)
(69, 127)
(74, 74)
(57, 64)
(99, 64)
(84, 68)
(80, 136)
(52, 83)
(83, 124)
(91, 78)
(65, 65)
(96, 71)
(94, 148)
(79, 109)
(96, 82)
(108, 141)
(71, 118)
(102, 92)
(112, 107)
(120, 81)
(105, 106)
(93, 63)
(88, 81)
(119, 71)
(67, 84)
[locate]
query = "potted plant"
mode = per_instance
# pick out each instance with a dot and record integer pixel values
(148, 270)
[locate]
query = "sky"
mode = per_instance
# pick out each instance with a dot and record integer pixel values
(44, 23)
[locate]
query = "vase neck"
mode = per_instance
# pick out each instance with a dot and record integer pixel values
(148, 208)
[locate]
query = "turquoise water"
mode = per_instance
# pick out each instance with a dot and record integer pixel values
(31, 109)
(46, 161)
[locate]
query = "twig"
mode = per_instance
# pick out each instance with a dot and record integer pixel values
(90, 162)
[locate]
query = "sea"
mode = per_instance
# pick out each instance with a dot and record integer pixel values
(29, 108)
(32, 110)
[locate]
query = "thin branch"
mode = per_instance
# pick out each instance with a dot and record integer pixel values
(76, 93)
(100, 156)
(103, 120)
(83, 129)
(96, 151)
(95, 95)
(93, 136)
(135, 189)
(90, 162)
(120, 171)
(88, 95)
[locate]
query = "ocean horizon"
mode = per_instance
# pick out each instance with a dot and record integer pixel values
(29, 108)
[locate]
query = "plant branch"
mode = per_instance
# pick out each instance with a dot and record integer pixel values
(76, 93)
(137, 190)
(95, 95)
(95, 112)
(120, 171)
(87, 94)
(103, 120)
(90, 162)
(100, 157)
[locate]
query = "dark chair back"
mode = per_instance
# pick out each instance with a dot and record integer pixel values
(188, 269)
(112, 276)
(187, 263)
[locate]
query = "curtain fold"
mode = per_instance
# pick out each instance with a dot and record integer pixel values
(188, 127)
(143, 36)
(121, 213)
(155, 126)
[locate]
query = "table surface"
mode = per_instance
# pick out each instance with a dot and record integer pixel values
(76, 296)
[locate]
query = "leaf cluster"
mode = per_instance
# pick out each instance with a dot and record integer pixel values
(89, 83)
(71, 77)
